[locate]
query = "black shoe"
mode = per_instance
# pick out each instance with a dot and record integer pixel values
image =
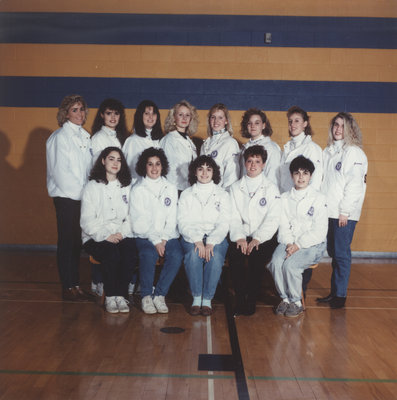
(337, 302)
(325, 299)
(250, 309)
(240, 306)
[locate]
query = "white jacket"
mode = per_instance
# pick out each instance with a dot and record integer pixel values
(180, 152)
(304, 220)
(308, 149)
(212, 218)
(133, 148)
(225, 151)
(105, 137)
(273, 157)
(152, 215)
(104, 210)
(69, 158)
(258, 216)
(344, 183)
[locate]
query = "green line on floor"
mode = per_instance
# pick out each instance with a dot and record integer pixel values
(292, 378)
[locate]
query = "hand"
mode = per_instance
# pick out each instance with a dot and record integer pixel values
(242, 245)
(291, 249)
(343, 220)
(115, 238)
(160, 247)
(254, 243)
(209, 251)
(199, 246)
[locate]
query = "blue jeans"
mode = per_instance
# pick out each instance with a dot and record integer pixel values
(338, 246)
(204, 276)
(148, 257)
(287, 272)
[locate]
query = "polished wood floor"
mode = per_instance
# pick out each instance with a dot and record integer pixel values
(51, 349)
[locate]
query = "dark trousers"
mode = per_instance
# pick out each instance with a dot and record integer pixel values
(69, 240)
(247, 280)
(117, 260)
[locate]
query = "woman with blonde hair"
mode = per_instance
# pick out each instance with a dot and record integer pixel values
(69, 160)
(344, 184)
(220, 144)
(180, 124)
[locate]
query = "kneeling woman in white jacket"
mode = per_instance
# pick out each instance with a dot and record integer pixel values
(105, 225)
(203, 221)
(153, 220)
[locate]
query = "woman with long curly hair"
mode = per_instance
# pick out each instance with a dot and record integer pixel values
(344, 184)
(147, 132)
(203, 221)
(109, 127)
(180, 124)
(106, 228)
(153, 221)
(256, 126)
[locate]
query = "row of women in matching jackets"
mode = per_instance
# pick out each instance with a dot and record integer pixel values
(68, 151)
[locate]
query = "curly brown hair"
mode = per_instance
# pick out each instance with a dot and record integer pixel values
(267, 131)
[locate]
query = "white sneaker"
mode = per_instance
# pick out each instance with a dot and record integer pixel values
(122, 304)
(93, 287)
(99, 289)
(159, 303)
(148, 306)
(111, 305)
(131, 287)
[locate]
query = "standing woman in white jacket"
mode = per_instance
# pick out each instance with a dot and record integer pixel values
(109, 127)
(255, 125)
(105, 225)
(153, 220)
(69, 158)
(180, 124)
(147, 132)
(300, 144)
(203, 221)
(221, 146)
(344, 184)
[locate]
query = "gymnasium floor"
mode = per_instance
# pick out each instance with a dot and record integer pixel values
(51, 349)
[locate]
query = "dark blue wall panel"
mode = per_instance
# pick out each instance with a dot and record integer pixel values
(364, 97)
(202, 30)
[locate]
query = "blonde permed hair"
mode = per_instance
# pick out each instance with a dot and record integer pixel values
(68, 102)
(351, 130)
(221, 107)
(169, 124)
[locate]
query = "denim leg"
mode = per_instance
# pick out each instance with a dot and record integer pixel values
(341, 255)
(213, 269)
(193, 267)
(294, 265)
(172, 261)
(147, 264)
(276, 268)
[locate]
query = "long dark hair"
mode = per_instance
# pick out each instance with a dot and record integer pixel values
(98, 171)
(113, 105)
(139, 127)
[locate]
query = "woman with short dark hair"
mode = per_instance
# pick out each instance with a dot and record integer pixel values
(153, 221)
(203, 221)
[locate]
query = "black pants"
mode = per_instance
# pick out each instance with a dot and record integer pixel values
(247, 281)
(69, 240)
(117, 260)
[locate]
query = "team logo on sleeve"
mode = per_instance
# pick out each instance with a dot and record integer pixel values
(338, 166)
(262, 202)
(214, 153)
(167, 201)
(311, 211)
(124, 197)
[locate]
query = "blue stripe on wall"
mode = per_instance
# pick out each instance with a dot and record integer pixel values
(198, 30)
(365, 97)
